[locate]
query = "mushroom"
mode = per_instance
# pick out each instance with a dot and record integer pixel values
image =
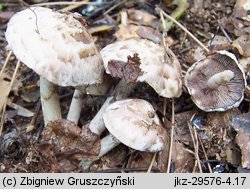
(59, 48)
(135, 123)
(217, 82)
(160, 70)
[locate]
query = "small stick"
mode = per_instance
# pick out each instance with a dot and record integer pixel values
(151, 163)
(197, 150)
(224, 32)
(171, 139)
(113, 7)
(61, 3)
(74, 6)
(5, 63)
(9, 89)
(205, 154)
(184, 29)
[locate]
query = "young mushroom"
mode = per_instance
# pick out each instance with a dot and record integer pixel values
(217, 82)
(59, 48)
(135, 123)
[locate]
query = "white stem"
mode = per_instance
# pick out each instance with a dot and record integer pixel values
(75, 107)
(122, 90)
(219, 79)
(108, 143)
(76, 103)
(97, 125)
(50, 101)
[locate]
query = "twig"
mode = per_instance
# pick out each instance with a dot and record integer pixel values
(9, 89)
(5, 62)
(113, 7)
(61, 3)
(171, 139)
(184, 29)
(197, 150)
(205, 154)
(74, 6)
(151, 163)
(224, 32)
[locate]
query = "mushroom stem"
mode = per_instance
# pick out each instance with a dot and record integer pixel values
(97, 125)
(107, 144)
(76, 103)
(220, 78)
(75, 107)
(50, 101)
(122, 90)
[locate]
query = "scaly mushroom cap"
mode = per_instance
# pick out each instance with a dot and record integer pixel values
(135, 123)
(163, 75)
(56, 46)
(227, 95)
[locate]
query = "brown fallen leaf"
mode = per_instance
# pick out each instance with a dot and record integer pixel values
(142, 17)
(150, 34)
(242, 45)
(183, 160)
(63, 142)
(129, 70)
(241, 124)
(126, 32)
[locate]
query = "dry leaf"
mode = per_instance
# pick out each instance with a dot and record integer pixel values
(149, 33)
(242, 44)
(241, 124)
(64, 141)
(129, 71)
(141, 160)
(183, 160)
(142, 17)
(126, 32)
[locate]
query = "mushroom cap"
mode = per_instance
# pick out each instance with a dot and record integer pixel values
(160, 74)
(226, 96)
(56, 46)
(135, 123)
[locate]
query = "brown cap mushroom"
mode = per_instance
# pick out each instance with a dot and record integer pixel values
(135, 123)
(217, 82)
(159, 69)
(56, 46)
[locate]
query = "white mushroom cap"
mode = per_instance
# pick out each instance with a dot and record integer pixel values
(135, 123)
(56, 46)
(163, 76)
